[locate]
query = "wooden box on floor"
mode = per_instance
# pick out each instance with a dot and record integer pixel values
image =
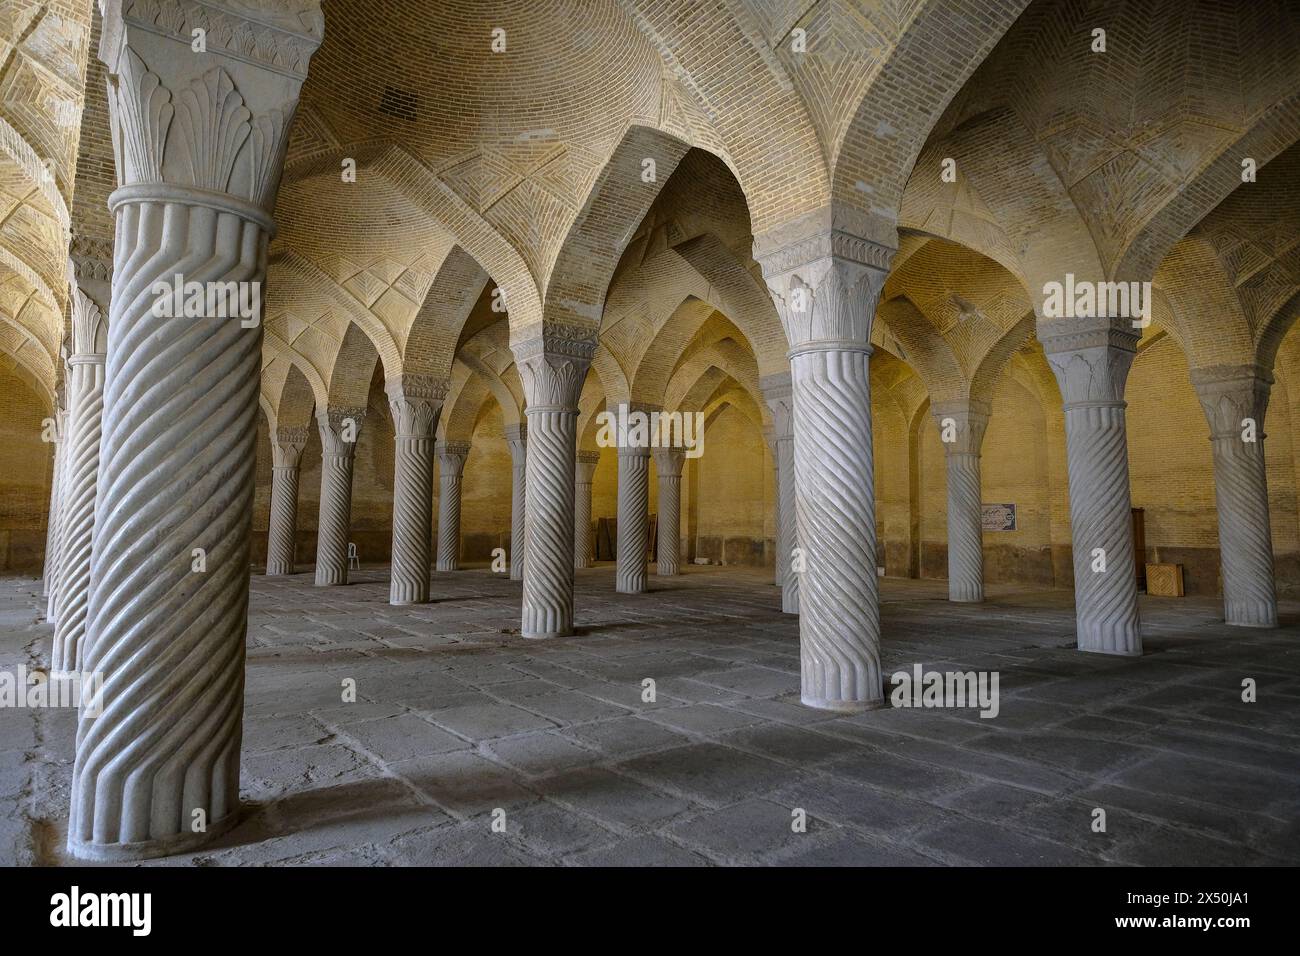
(1165, 580)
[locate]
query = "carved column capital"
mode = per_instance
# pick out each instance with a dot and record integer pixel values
(1231, 394)
(89, 329)
(451, 456)
(778, 393)
(585, 466)
(553, 365)
(416, 402)
(825, 278)
(340, 428)
(1091, 358)
(517, 441)
(669, 461)
(287, 445)
(965, 420)
(192, 131)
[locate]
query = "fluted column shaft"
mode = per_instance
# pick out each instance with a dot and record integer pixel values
(825, 288)
(668, 462)
(517, 440)
(416, 401)
(633, 519)
(585, 468)
(340, 428)
(50, 577)
(961, 429)
(1235, 400)
(282, 524)
(1091, 359)
(451, 464)
(553, 366)
(778, 393)
(835, 508)
(200, 147)
(85, 389)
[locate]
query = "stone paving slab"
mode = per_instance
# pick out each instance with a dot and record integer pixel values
(467, 745)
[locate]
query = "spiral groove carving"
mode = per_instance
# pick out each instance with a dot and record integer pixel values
(670, 518)
(283, 521)
(548, 579)
(633, 519)
(54, 536)
(965, 531)
(839, 624)
(1106, 608)
(584, 468)
(335, 520)
(518, 506)
(78, 522)
(1245, 533)
(787, 524)
(177, 472)
(451, 462)
(412, 520)
(50, 570)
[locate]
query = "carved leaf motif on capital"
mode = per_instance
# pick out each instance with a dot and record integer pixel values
(214, 122)
(143, 112)
(340, 427)
(834, 300)
(1092, 375)
(553, 380)
(205, 136)
(89, 331)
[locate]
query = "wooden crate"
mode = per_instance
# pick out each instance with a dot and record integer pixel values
(1165, 580)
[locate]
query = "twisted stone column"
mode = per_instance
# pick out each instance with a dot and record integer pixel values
(340, 427)
(1091, 358)
(53, 540)
(633, 519)
(961, 429)
(282, 526)
(200, 145)
(451, 463)
(668, 462)
(517, 440)
(777, 391)
(584, 469)
(416, 401)
(85, 390)
(1235, 399)
(825, 288)
(553, 367)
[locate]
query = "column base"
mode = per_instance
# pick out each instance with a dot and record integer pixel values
(151, 849)
(545, 635)
(442, 567)
(841, 706)
(278, 572)
(1249, 615)
(1109, 653)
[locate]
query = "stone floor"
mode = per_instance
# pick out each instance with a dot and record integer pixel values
(457, 717)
